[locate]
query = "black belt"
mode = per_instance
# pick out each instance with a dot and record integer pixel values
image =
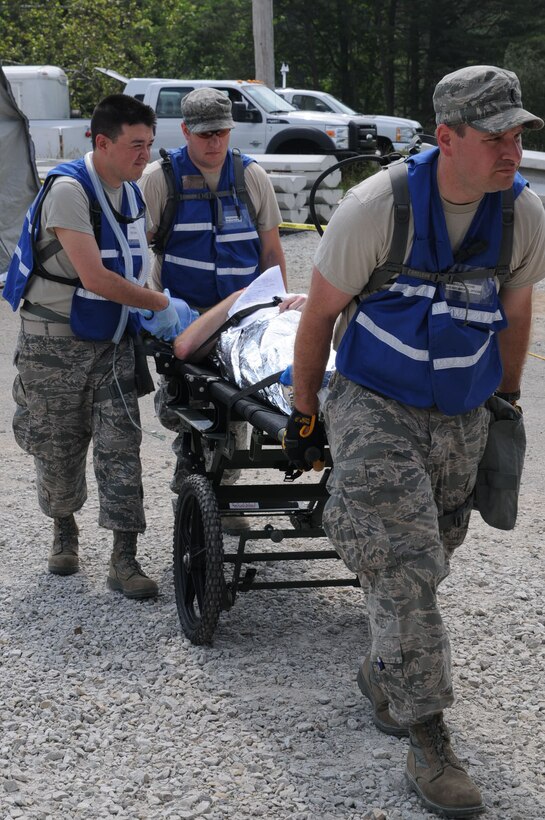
(115, 390)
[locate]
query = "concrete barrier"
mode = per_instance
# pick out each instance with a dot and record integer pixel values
(296, 174)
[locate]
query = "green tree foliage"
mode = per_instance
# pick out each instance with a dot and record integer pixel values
(79, 35)
(175, 38)
(385, 56)
(527, 60)
(208, 38)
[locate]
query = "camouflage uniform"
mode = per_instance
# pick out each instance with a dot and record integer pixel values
(66, 396)
(397, 468)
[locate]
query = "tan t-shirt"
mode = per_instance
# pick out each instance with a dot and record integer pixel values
(258, 185)
(66, 205)
(359, 234)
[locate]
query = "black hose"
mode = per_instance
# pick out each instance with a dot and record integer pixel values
(414, 148)
(324, 174)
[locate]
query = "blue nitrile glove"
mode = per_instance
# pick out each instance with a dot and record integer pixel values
(164, 324)
(286, 377)
(186, 315)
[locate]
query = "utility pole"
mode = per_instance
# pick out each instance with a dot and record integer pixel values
(262, 17)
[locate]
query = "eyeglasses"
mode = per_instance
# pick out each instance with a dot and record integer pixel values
(207, 135)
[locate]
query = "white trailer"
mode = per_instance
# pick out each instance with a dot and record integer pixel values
(42, 94)
(40, 91)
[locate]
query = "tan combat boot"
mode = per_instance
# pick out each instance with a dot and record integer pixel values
(63, 558)
(435, 773)
(370, 688)
(125, 573)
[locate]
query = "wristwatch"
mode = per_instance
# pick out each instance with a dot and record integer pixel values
(512, 398)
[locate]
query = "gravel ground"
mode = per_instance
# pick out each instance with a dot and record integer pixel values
(108, 711)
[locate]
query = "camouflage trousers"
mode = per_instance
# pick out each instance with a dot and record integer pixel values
(66, 396)
(396, 470)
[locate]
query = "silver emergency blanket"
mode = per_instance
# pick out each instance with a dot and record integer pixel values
(248, 354)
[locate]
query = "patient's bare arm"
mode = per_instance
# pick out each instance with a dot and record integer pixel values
(191, 339)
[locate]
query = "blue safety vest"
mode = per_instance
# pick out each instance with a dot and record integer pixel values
(92, 317)
(214, 247)
(430, 338)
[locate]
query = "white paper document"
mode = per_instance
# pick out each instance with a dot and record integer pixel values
(262, 289)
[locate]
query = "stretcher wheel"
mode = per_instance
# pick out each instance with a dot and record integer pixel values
(198, 559)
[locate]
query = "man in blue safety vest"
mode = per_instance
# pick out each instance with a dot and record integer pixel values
(417, 357)
(80, 264)
(216, 221)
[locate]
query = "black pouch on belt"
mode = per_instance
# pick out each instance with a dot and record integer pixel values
(500, 469)
(142, 376)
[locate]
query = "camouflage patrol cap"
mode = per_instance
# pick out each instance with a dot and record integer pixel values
(483, 96)
(206, 109)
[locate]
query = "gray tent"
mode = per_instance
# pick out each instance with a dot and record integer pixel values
(19, 181)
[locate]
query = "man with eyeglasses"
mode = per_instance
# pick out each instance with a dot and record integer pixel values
(219, 238)
(80, 262)
(222, 232)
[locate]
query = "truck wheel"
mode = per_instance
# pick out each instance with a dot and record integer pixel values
(199, 582)
(299, 147)
(384, 146)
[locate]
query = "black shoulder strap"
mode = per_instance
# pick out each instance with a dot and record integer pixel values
(398, 247)
(53, 247)
(50, 249)
(503, 268)
(240, 184)
(166, 223)
(394, 264)
(402, 212)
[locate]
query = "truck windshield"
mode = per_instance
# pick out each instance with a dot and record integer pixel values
(337, 105)
(269, 100)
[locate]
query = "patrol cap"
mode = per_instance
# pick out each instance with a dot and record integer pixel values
(207, 109)
(483, 96)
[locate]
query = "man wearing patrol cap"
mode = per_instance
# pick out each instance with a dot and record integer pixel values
(485, 97)
(441, 321)
(214, 247)
(223, 231)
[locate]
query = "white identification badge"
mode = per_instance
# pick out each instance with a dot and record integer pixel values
(132, 232)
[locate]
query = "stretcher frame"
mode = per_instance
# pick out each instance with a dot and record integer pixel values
(207, 575)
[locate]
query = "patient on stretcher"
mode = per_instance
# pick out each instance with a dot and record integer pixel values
(258, 346)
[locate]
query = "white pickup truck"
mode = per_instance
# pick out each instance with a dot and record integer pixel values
(41, 93)
(264, 122)
(393, 133)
